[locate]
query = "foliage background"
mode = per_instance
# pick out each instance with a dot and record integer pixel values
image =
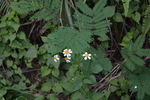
(115, 32)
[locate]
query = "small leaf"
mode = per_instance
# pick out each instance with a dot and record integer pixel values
(109, 11)
(57, 88)
(126, 4)
(52, 97)
(31, 53)
(46, 86)
(45, 71)
(136, 16)
(73, 85)
(76, 96)
(118, 17)
(55, 72)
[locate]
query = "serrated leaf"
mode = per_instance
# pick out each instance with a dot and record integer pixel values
(45, 71)
(100, 61)
(52, 97)
(126, 4)
(57, 88)
(70, 38)
(46, 86)
(73, 85)
(109, 11)
(55, 72)
(76, 96)
(31, 53)
(90, 80)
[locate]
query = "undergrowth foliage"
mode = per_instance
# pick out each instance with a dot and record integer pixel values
(76, 58)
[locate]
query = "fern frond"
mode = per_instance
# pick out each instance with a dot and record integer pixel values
(146, 21)
(88, 23)
(43, 9)
(69, 38)
(94, 20)
(132, 53)
(4, 6)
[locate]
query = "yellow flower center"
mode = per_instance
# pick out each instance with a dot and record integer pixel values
(86, 55)
(67, 52)
(55, 57)
(66, 58)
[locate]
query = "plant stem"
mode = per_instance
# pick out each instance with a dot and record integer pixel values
(68, 13)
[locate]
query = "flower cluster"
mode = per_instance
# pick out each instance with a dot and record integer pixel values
(67, 54)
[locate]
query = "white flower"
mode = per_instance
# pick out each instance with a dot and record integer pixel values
(67, 59)
(86, 56)
(67, 52)
(56, 58)
(135, 87)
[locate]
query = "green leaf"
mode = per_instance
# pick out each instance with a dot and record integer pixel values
(9, 63)
(46, 86)
(94, 20)
(55, 72)
(100, 61)
(47, 9)
(21, 36)
(3, 91)
(141, 80)
(55, 64)
(52, 97)
(126, 4)
(96, 68)
(76, 96)
(146, 20)
(90, 80)
(39, 98)
(57, 88)
(31, 53)
(139, 42)
(109, 11)
(73, 85)
(20, 86)
(126, 97)
(72, 71)
(21, 98)
(136, 16)
(70, 38)
(45, 71)
(12, 37)
(118, 17)
(127, 38)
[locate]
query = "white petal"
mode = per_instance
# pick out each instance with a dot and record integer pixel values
(55, 60)
(85, 58)
(83, 54)
(67, 61)
(56, 56)
(68, 55)
(69, 50)
(89, 57)
(65, 49)
(135, 87)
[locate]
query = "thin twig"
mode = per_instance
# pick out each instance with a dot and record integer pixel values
(31, 70)
(60, 14)
(68, 13)
(26, 23)
(31, 30)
